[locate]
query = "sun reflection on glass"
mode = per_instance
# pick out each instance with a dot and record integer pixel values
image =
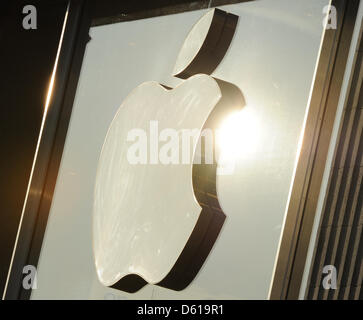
(238, 134)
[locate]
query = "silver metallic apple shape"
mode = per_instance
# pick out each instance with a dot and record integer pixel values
(155, 222)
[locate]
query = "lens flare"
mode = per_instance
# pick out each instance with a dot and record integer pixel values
(238, 135)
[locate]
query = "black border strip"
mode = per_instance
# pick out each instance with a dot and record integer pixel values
(114, 11)
(32, 227)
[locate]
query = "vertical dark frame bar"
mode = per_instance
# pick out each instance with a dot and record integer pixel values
(42, 184)
(310, 169)
(339, 240)
(26, 63)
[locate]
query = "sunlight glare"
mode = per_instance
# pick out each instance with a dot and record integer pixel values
(238, 134)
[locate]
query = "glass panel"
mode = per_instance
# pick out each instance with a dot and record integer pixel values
(272, 60)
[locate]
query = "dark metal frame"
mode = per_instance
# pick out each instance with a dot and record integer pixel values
(339, 240)
(42, 184)
(81, 16)
(314, 150)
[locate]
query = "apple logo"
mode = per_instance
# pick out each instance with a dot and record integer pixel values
(156, 213)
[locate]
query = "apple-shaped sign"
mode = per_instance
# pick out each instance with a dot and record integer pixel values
(156, 212)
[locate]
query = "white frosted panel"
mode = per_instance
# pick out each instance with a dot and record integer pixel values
(272, 60)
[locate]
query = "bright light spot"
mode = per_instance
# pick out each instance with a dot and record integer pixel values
(238, 134)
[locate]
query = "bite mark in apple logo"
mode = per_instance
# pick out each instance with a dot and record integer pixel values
(157, 223)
